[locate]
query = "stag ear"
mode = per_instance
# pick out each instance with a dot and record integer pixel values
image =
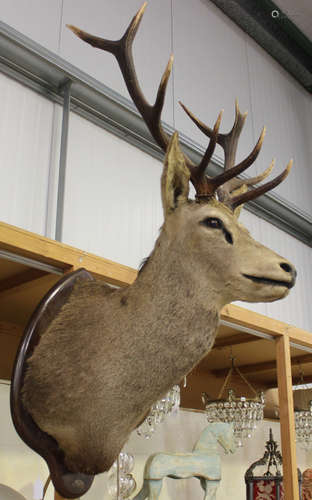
(175, 177)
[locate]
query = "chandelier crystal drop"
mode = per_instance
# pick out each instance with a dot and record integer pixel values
(303, 412)
(303, 426)
(168, 405)
(244, 413)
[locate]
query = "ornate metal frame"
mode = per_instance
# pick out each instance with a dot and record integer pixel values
(272, 458)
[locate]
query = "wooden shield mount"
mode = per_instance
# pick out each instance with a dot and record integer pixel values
(66, 483)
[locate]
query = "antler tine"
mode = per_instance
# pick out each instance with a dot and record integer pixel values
(122, 50)
(232, 172)
(254, 193)
(229, 143)
(161, 93)
(234, 184)
(199, 171)
(202, 126)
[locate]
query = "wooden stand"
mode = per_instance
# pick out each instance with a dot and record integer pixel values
(70, 484)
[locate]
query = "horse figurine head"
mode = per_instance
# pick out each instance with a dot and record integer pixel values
(219, 432)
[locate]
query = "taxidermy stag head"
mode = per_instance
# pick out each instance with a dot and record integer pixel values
(109, 354)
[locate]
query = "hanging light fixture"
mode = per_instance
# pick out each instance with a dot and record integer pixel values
(303, 426)
(244, 413)
(302, 394)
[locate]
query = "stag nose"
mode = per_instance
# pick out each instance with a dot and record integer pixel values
(290, 269)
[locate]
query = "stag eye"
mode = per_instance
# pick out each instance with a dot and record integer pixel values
(212, 222)
(215, 223)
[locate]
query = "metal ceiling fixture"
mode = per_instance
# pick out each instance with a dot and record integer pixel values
(271, 28)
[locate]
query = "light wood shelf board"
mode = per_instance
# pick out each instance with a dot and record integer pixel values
(62, 256)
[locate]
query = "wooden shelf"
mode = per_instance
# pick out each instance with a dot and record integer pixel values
(63, 257)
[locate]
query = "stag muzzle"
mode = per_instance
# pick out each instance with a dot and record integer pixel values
(270, 275)
(291, 271)
(285, 279)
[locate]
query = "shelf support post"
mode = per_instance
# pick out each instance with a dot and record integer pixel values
(287, 418)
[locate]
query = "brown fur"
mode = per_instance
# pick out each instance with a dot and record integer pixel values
(110, 354)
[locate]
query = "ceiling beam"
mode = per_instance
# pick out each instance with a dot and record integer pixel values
(236, 339)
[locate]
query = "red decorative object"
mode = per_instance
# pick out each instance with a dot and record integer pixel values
(265, 489)
(269, 484)
(307, 484)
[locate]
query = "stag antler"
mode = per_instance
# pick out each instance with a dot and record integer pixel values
(122, 50)
(206, 187)
(227, 180)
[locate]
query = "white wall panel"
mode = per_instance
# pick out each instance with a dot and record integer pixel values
(25, 138)
(37, 19)
(210, 69)
(112, 199)
(286, 108)
(109, 19)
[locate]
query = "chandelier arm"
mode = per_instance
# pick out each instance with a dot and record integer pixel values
(246, 381)
(225, 382)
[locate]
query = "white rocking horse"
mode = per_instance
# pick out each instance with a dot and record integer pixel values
(203, 462)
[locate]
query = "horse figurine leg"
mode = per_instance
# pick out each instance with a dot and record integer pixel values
(210, 488)
(143, 493)
(150, 490)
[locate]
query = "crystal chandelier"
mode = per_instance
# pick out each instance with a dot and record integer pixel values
(303, 412)
(244, 413)
(303, 427)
